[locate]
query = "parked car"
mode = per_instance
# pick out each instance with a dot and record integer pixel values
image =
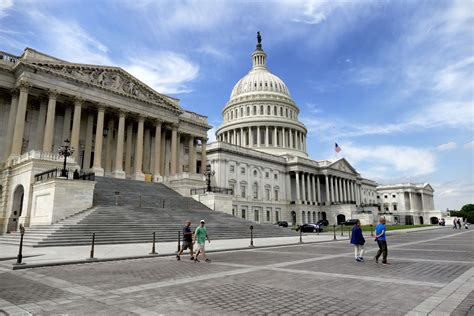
(282, 223)
(311, 228)
(350, 222)
(322, 222)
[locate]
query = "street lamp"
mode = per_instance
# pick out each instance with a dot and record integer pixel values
(65, 151)
(208, 174)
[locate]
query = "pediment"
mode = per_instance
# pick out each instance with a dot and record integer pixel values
(428, 187)
(342, 165)
(109, 78)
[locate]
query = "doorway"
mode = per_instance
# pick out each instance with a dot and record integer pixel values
(17, 208)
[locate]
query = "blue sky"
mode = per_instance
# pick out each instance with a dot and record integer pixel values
(391, 81)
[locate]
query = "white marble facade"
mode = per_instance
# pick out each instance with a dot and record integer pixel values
(118, 126)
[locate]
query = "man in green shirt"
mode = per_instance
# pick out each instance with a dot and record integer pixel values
(201, 236)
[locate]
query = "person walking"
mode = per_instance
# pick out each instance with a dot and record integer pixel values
(459, 223)
(358, 241)
(187, 241)
(455, 223)
(380, 230)
(201, 235)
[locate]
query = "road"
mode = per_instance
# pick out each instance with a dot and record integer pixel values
(430, 271)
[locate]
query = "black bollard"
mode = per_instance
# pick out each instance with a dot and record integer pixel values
(334, 228)
(20, 251)
(251, 236)
(179, 241)
(153, 252)
(92, 247)
(342, 229)
(371, 230)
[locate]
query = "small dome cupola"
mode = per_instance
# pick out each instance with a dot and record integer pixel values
(259, 57)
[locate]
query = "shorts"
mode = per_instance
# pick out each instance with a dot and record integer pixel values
(201, 246)
(187, 244)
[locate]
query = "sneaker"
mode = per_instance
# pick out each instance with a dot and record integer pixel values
(196, 260)
(208, 260)
(357, 259)
(178, 257)
(386, 263)
(192, 258)
(361, 259)
(376, 260)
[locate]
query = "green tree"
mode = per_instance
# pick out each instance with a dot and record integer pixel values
(468, 208)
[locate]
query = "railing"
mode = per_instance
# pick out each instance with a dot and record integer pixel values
(48, 174)
(213, 190)
(8, 57)
(86, 176)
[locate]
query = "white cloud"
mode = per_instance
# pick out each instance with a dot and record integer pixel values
(166, 72)
(453, 194)
(447, 146)
(211, 135)
(214, 52)
(66, 39)
(316, 11)
(469, 145)
(388, 161)
(5, 5)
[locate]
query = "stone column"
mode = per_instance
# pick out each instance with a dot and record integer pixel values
(314, 187)
(128, 149)
(267, 136)
(288, 187)
(49, 127)
(179, 168)
(164, 168)
(88, 145)
(275, 137)
(303, 187)
(328, 196)
(203, 155)
(309, 194)
(191, 155)
(109, 147)
(67, 123)
(19, 126)
(146, 151)
(344, 195)
(174, 150)
(258, 136)
(99, 134)
(11, 123)
(290, 134)
(297, 186)
(41, 123)
(118, 169)
(157, 166)
(76, 126)
(138, 172)
(332, 188)
(242, 137)
(338, 189)
(318, 189)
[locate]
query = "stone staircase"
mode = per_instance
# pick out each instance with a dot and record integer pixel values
(143, 208)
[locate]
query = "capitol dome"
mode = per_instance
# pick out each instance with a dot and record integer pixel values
(261, 114)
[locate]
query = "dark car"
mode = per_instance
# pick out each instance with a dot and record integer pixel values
(350, 222)
(322, 222)
(312, 228)
(282, 223)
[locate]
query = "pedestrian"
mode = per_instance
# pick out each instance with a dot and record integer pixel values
(455, 224)
(358, 241)
(187, 241)
(459, 223)
(201, 235)
(381, 240)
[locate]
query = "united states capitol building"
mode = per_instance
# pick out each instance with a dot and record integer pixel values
(119, 127)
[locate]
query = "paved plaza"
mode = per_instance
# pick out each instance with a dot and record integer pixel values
(431, 271)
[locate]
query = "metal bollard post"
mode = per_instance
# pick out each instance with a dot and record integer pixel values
(153, 252)
(371, 230)
(20, 251)
(179, 241)
(342, 229)
(92, 247)
(334, 228)
(350, 233)
(251, 236)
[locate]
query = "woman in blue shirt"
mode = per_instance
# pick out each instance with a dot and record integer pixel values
(358, 241)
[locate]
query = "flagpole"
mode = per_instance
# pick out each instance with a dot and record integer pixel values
(334, 146)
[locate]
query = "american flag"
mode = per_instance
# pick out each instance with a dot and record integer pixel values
(337, 148)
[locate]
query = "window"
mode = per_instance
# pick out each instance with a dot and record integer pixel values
(255, 212)
(268, 216)
(248, 111)
(254, 110)
(268, 110)
(394, 207)
(255, 173)
(275, 176)
(378, 196)
(241, 112)
(243, 190)
(394, 196)
(286, 112)
(385, 196)
(243, 213)
(276, 195)
(255, 190)
(267, 194)
(232, 187)
(233, 210)
(267, 175)
(242, 170)
(277, 216)
(232, 168)
(281, 111)
(261, 109)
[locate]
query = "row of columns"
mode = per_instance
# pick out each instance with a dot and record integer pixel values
(45, 133)
(338, 189)
(281, 137)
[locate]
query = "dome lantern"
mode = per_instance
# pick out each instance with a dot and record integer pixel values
(259, 57)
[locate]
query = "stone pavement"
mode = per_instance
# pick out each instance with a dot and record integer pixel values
(432, 271)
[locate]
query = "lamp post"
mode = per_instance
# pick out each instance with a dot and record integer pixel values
(208, 174)
(65, 151)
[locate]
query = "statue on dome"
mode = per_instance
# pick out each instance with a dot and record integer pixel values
(259, 38)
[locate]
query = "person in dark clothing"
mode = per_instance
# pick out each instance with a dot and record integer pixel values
(380, 230)
(358, 241)
(187, 241)
(459, 223)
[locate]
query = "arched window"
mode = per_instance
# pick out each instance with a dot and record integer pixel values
(243, 189)
(268, 192)
(268, 110)
(248, 111)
